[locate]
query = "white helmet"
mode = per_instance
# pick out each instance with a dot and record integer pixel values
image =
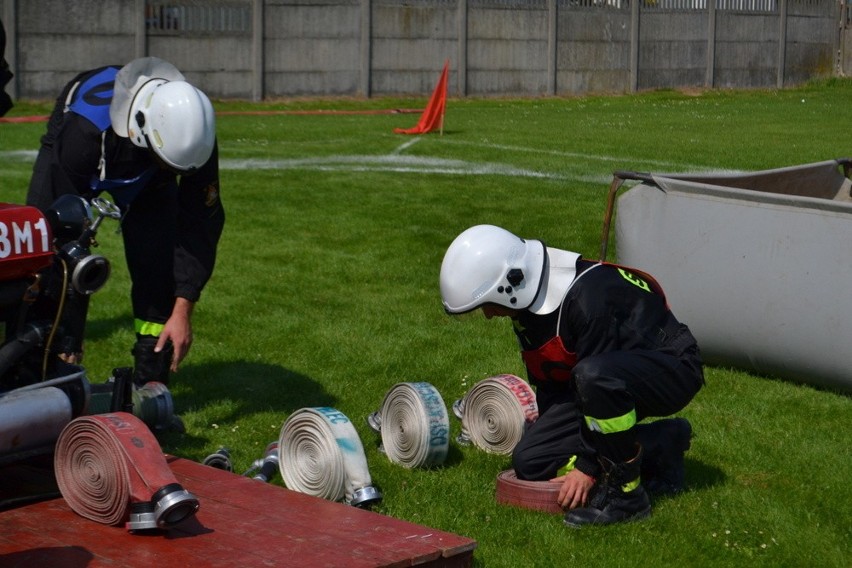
(129, 80)
(175, 120)
(487, 264)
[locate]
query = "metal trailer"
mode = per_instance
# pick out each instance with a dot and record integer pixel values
(757, 264)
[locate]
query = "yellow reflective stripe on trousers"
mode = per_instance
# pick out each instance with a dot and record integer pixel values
(148, 327)
(612, 425)
(628, 487)
(567, 467)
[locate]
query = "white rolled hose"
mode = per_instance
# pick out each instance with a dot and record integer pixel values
(320, 454)
(494, 413)
(414, 425)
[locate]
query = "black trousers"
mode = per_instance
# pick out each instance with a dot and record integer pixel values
(149, 229)
(608, 385)
(551, 441)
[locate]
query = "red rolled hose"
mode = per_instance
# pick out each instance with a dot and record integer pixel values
(535, 495)
(105, 463)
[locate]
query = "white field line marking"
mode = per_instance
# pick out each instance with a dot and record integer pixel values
(19, 155)
(406, 146)
(397, 162)
(388, 163)
(592, 157)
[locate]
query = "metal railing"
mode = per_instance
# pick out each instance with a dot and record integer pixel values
(198, 17)
(701, 5)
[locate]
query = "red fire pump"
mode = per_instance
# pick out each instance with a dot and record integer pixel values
(48, 272)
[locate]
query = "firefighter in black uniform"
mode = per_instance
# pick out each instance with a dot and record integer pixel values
(5, 74)
(604, 352)
(147, 137)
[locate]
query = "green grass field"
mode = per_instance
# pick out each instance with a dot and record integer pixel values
(326, 294)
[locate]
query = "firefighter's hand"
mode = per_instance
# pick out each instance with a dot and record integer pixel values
(178, 329)
(72, 358)
(575, 488)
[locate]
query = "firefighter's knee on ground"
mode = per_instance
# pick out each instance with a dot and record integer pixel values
(521, 463)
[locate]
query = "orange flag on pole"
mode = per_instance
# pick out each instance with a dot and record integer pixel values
(433, 116)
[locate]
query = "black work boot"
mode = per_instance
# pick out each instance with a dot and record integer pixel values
(147, 364)
(663, 443)
(617, 498)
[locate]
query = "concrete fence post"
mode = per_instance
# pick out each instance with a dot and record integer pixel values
(782, 42)
(140, 39)
(842, 34)
(552, 51)
(366, 46)
(461, 71)
(257, 53)
(634, 46)
(710, 75)
(838, 41)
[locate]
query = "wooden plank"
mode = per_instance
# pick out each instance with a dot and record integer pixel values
(344, 523)
(241, 522)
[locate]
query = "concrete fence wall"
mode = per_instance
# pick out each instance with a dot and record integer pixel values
(262, 49)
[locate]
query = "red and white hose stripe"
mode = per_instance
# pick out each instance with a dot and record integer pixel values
(494, 413)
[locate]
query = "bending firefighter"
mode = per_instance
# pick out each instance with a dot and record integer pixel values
(604, 352)
(147, 137)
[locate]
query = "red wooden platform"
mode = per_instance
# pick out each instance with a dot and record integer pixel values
(241, 522)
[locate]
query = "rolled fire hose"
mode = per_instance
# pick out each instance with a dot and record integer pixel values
(320, 454)
(494, 413)
(111, 469)
(536, 495)
(414, 425)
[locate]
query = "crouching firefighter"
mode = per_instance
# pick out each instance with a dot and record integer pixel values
(147, 137)
(604, 352)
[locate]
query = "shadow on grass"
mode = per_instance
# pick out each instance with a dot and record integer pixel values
(237, 389)
(454, 456)
(700, 475)
(255, 387)
(103, 328)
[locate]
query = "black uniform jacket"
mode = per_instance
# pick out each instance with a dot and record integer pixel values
(607, 308)
(70, 156)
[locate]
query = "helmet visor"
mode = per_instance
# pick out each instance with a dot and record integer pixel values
(129, 80)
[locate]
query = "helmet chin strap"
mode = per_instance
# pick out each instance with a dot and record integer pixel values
(545, 264)
(102, 160)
